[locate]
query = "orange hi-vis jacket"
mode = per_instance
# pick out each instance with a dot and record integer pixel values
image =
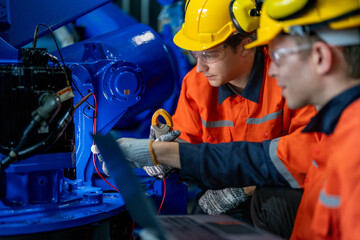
(330, 206)
(217, 114)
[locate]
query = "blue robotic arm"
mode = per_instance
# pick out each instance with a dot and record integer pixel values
(129, 70)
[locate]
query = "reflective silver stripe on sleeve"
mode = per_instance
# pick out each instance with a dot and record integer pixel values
(268, 117)
(315, 164)
(330, 201)
(213, 124)
(279, 164)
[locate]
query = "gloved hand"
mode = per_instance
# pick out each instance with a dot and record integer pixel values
(136, 150)
(95, 150)
(215, 202)
(160, 169)
(132, 148)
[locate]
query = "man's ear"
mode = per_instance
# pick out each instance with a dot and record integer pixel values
(242, 45)
(322, 57)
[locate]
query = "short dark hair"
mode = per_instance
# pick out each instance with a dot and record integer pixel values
(352, 58)
(234, 40)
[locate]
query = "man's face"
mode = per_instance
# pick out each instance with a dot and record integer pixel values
(227, 69)
(293, 72)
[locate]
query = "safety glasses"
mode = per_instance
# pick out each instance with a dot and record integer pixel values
(210, 56)
(279, 53)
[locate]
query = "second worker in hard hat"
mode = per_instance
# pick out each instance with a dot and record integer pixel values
(228, 95)
(315, 48)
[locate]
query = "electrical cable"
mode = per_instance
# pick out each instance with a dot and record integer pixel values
(98, 172)
(53, 36)
(152, 184)
(87, 116)
(162, 202)
(82, 100)
(4, 150)
(166, 175)
(57, 46)
(48, 141)
(62, 124)
(132, 230)
(102, 175)
(58, 49)
(94, 132)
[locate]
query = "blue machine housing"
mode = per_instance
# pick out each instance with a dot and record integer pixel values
(129, 70)
(131, 73)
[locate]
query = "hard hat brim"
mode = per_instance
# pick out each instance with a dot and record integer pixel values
(182, 41)
(323, 12)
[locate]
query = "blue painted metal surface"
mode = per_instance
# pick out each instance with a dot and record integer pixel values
(131, 71)
(92, 206)
(105, 19)
(5, 15)
(38, 198)
(8, 54)
(175, 198)
(167, 2)
(25, 15)
(170, 20)
(36, 180)
(125, 80)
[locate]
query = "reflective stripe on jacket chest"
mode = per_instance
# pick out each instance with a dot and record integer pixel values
(228, 123)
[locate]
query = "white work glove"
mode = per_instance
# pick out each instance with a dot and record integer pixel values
(95, 150)
(215, 202)
(160, 170)
(136, 151)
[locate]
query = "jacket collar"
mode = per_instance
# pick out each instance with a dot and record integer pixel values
(253, 87)
(327, 118)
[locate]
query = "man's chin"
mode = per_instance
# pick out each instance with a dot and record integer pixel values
(214, 83)
(294, 105)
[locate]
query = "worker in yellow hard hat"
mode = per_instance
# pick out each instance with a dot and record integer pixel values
(315, 51)
(228, 95)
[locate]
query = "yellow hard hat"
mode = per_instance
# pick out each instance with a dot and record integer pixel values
(207, 23)
(285, 15)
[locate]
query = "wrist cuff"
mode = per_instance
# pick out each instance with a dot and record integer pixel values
(152, 153)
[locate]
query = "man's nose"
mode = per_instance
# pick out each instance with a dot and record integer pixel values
(201, 65)
(273, 69)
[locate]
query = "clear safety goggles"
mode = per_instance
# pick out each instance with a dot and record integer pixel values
(279, 53)
(211, 55)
